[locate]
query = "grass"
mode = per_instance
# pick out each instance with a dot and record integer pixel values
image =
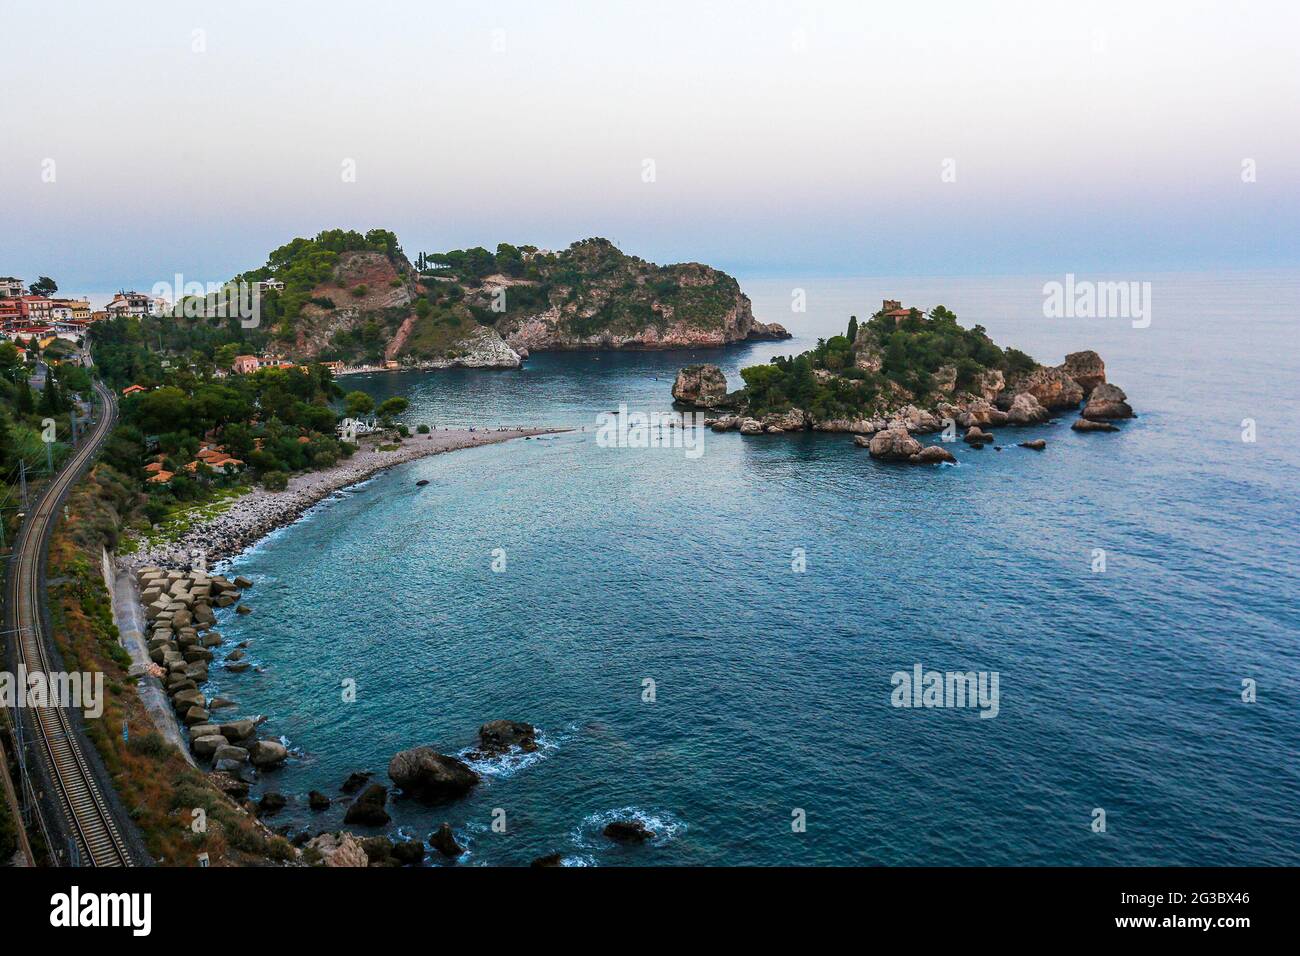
(184, 517)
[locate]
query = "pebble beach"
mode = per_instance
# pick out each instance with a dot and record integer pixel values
(258, 513)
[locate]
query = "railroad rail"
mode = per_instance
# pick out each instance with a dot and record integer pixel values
(88, 818)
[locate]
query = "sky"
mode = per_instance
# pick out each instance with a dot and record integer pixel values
(948, 138)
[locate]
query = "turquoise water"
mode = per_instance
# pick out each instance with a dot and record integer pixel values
(1119, 690)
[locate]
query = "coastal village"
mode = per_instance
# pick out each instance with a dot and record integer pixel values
(33, 316)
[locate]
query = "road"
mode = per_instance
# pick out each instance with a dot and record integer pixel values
(77, 793)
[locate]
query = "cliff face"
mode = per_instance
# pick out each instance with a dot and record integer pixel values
(372, 307)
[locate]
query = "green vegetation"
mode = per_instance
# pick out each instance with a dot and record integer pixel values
(304, 264)
(598, 287)
(274, 422)
(439, 330)
(879, 362)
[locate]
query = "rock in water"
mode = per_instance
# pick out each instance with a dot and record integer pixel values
(238, 729)
(355, 781)
(628, 831)
(1037, 444)
(551, 859)
(498, 736)
(408, 852)
(229, 759)
(1086, 368)
(267, 753)
(444, 841)
(1052, 387)
(1025, 410)
(1084, 425)
(318, 801)
(368, 809)
(422, 482)
(893, 444)
(430, 776)
(1107, 401)
(932, 455)
(703, 386)
(270, 803)
(208, 745)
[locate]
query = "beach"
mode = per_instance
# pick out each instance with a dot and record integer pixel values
(258, 513)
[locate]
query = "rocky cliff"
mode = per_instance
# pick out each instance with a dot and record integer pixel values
(593, 296)
(360, 299)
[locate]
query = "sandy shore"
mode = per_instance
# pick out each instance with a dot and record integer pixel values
(260, 512)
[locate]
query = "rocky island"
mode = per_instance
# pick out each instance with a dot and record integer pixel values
(904, 373)
(357, 299)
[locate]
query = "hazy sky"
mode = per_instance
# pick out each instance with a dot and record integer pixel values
(786, 138)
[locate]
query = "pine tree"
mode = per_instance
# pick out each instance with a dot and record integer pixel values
(23, 400)
(51, 404)
(7, 456)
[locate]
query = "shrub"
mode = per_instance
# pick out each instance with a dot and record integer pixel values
(422, 429)
(275, 481)
(360, 290)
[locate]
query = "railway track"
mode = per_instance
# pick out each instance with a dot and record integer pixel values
(88, 818)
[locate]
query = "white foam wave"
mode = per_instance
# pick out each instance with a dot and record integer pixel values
(665, 826)
(501, 766)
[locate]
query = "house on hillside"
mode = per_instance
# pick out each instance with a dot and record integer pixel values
(893, 309)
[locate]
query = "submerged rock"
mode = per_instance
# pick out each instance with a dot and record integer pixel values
(318, 801)
(356, 781)
(551, 859)
(498, 736)
(1084, 425)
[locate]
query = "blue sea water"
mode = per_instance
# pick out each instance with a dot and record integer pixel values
(1120, 690)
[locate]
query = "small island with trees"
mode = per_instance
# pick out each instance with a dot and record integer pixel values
(902, 373)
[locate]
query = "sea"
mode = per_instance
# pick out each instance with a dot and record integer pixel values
(720, 641)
